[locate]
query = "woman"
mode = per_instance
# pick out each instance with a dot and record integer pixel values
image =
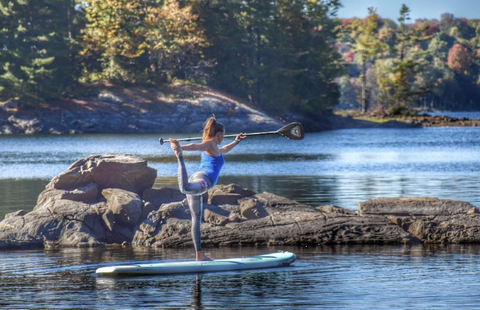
(207, 175)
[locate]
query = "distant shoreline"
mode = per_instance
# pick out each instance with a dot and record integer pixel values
(182, 109)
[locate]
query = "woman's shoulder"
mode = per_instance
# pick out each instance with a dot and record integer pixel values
(212, 148)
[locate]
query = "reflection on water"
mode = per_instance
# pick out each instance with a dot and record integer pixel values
(324, 277)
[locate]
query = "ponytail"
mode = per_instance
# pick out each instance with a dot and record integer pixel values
(211, 127)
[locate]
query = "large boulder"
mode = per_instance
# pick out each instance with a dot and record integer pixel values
(127, 172)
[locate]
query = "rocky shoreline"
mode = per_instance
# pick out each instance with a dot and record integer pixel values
(181, 109)
(108, 200)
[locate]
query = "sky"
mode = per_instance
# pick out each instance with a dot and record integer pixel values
(419, 8)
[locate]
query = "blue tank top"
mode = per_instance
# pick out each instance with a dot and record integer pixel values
(212, 166)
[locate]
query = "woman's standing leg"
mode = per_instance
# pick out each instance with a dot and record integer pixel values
(195, 203)
(193, 187)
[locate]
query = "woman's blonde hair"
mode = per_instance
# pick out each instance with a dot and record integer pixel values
(211, 127)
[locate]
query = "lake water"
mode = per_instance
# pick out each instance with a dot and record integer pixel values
(333, 277)
(341, 167)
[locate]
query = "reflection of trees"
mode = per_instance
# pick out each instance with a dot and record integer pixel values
(19, 194)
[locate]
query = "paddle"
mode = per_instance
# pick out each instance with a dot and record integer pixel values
(293, 131)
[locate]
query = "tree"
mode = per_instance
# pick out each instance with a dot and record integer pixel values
(368, 46)
(36, 49)
(277, 54)
(409, 60)
(460, 59)
(140, 41)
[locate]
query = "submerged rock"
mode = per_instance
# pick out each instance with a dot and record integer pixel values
(108, 199)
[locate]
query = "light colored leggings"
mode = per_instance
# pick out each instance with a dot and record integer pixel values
(194, 189)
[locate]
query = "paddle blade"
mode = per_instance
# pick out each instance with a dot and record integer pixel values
(292, 131)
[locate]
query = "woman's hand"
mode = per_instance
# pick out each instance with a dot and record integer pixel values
(177, 149)
(240, 137)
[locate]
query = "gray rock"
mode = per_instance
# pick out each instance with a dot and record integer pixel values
(110, 97)
(251, 208)
(157, 197)
(71, 213)
(9, 104)
(26, 124)
(331, 210)
(175, 209)
(459, 228)
(215, 218)
(227, 194)
(16, 213)
(405, 206)
(86, 193)
(127, 172)
(125, 206)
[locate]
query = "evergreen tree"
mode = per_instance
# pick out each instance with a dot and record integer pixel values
(409, 60)
(368, 46)
(277, 54)
(36, 49)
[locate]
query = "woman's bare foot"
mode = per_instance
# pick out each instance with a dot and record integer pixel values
(202, 257)
(176, 148)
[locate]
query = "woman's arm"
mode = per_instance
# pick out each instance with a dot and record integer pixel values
(204, 146)
(227, 148)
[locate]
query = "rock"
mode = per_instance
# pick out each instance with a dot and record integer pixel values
(86, 193)
(251, 208)
(214, 218)
(59, 221)
(232, 189)
(289, 228)
(414, 206)
(16, 213)
(126, 172)
(175, 209)
(331, 210)
(224, 199)
(157, 197)
(25, 123)
(70, 212)
(9, 104)
(125, 206)
(149, 225)
(108, 219)
(109, 97)
(459, 228)
(227, 194)
(274, 202)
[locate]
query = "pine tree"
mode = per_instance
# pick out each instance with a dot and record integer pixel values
(277, 54)
(36, 52)
(368, 46)
(409, 60)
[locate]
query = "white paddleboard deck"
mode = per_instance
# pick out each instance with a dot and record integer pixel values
(278, 259)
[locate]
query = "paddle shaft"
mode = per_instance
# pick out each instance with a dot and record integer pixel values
(231, 136)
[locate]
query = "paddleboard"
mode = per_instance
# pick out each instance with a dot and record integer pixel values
(278, 259)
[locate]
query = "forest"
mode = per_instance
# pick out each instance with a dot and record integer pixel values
(282, 56)
(428, 64)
